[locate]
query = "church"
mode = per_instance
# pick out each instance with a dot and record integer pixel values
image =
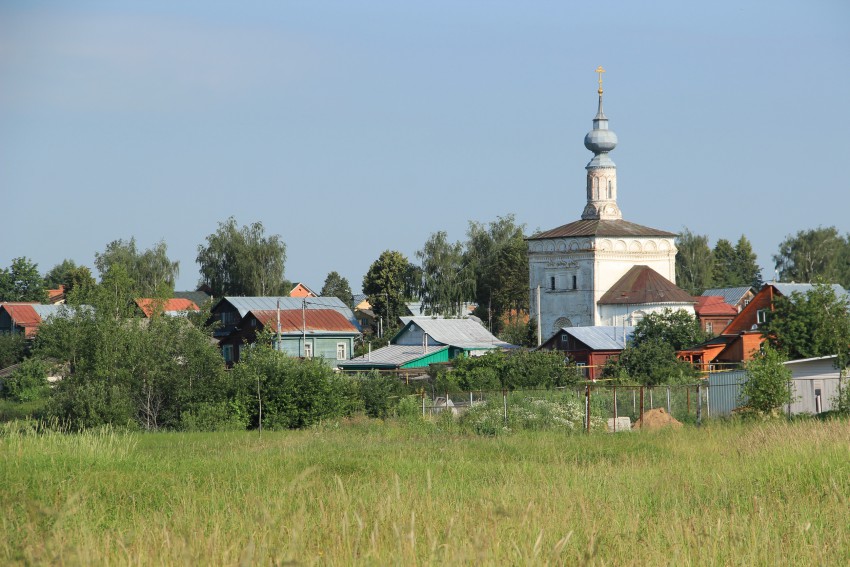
(602, 270)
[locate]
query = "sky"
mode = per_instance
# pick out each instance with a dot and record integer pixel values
(350, 128)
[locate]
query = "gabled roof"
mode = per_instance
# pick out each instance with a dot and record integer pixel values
(602, 337)
(312, 321)
(392, 356)
(198, 297)
(601, 227)
(245, 304)
(731, 295)
(642, 284)
(461, 333)
(173, 305)
(713, 305)
(301, 290)
(787, 289)
(29, 316)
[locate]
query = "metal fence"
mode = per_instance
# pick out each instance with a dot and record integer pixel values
(614, 408)
(809, 394)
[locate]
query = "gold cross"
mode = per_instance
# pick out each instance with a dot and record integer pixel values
(600, 70)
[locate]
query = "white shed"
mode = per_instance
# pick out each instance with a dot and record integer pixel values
(816, 383)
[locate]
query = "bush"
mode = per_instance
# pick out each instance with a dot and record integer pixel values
(381, 394)
(561, 412)
(768, 385)
(216, 416)
(28, 383)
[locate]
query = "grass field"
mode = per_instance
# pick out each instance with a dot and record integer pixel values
(369, 492)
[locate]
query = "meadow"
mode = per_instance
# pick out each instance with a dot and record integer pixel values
(419, 493)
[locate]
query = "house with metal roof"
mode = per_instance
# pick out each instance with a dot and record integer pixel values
(230, 310)
(301, 290)
(737, 297)
(742, 338)
(590, 347)
(713, 313)
(305, 333)
(26, 317)
(174, 307)
(425, 340)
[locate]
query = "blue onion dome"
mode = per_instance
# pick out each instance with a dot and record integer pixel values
(600, 139)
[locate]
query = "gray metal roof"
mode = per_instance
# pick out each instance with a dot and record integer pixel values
(462, 333)
(602, 338)
(245, 304)
(391, 355)
(730, 295)
(787, 289)
(45, 311)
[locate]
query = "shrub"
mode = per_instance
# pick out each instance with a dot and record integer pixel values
(28, 383)
(216, 416)
(381, 394)
(768, 383)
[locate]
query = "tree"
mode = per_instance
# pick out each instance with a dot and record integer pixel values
(811, 324)
(694, 262)
(725, 270)
(447, 280)
(153, 274)
(385, 284)
(12, 348)
(650, 363)
(809, 255)
(768, 385)
(22, 282)
(67, 273)
(679, 329)
(242, 261)
(748, 270)
(498, 256)
(337, 286)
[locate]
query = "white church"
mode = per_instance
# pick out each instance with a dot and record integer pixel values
(602, 270)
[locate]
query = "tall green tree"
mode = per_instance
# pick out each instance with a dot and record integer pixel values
(337, 286)
(385, 285)
(153, 273)
(811, 324)
(725, 272)
(242, 261)
(694, 262)
(70, 275)
(747, 268)
(447, 280)
(497, 254)
(815, 254)
(22, 282)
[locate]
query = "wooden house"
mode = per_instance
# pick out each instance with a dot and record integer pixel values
(590, 347)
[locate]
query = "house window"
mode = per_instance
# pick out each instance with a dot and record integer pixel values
(709, 327)
(582, 368)
(565, 338)
(253, 322)
(227, 353)
(575, 281)
(341, 351)
(746, 302)
(228, 318)
(761, 316)
(552, 283)
(308, 350)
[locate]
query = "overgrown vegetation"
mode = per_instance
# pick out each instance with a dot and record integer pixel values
(768, 384)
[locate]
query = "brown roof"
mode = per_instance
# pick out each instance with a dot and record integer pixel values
(642, 284)
(708, 305)
(24, 316)
(600, 228)
(328, 320)
(146, 304)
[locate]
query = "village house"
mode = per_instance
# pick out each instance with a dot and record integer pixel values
(175, 307)
(713, 313)
(590, 347)
(425, 340)
(737, 297)
(305, 333)
(26, 317)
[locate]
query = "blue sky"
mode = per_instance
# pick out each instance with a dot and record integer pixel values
(350, 128)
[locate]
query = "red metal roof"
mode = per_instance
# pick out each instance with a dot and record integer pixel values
(708, 305)
(316, 320)
(23, 315)
(642, 284)
(147, 304)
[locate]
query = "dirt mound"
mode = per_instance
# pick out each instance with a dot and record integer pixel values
(656, 419)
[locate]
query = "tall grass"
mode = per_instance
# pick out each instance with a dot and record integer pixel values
(371, 492)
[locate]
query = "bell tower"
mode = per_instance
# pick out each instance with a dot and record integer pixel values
(601, 171)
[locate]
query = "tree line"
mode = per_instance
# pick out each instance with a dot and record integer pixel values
(819, 254)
